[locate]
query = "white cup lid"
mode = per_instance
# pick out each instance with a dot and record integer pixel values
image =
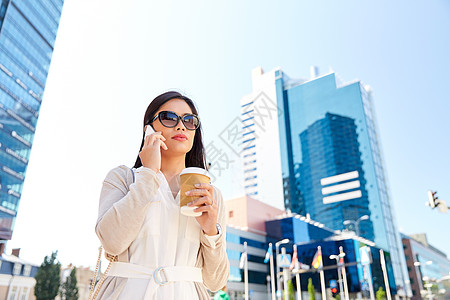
(195, 170)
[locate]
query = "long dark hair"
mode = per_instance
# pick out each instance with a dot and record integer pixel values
(196, 156)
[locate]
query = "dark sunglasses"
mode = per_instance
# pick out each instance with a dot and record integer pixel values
(170, 119)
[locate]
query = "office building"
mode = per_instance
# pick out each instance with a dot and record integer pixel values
(426, 265)
(27, 38)
(259, 224)
(312, 145)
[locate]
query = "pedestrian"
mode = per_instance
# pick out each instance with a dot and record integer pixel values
(157, 252)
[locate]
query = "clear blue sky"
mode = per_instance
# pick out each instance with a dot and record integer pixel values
(111, 58)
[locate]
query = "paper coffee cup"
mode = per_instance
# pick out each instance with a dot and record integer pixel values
(188, 178)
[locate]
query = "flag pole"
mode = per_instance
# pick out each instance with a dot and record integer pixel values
(285, 277)
(272, 276)
(246, 271)
(297, 277)
(344, 276)
(322, 276)
(386, 281)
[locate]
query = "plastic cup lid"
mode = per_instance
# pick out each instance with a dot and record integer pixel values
(195, 170)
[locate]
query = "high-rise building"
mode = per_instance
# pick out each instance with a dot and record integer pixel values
(27, 37)
(312, 145)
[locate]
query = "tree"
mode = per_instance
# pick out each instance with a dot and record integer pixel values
(48, 278)
(69, 289)
(291, 292)
(380, 294)
(311, 290)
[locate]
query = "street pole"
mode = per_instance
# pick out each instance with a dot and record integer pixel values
(338, 263)
(246, 271)
(369, 279)
(344, 274)
(277, 269)
(285, 277)
(297, 277)
(277, 244)
(341, 290)
(322, 283)
(386, 281)
(272, 276)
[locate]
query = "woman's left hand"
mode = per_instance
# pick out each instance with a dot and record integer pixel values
(206, 205)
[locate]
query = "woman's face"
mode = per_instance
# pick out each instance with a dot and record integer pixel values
(179, 140)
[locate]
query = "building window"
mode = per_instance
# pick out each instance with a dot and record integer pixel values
(24, 294)
(27, 270)
(17, 269)
(12, 293)
(230, 214)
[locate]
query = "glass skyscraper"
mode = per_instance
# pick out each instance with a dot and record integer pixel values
(330, 164)
(27, 36)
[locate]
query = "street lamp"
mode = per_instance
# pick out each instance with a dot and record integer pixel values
(277, 245)
(337, 258)
(428, 285)
(419, 272)
(356, 223)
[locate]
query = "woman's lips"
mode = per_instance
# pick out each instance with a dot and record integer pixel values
(179, 138)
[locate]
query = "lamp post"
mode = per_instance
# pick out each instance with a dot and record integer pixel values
(277, 245)
(356, 223)
(337, 258)
(417, 265)
(428, 285)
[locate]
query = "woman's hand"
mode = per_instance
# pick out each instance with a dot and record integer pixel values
(150, 154)
(206, 206)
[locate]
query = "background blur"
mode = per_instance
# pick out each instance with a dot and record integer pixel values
(112, 58)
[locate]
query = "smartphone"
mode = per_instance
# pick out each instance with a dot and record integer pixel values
(148, 130)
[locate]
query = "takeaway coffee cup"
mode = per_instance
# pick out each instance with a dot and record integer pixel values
(188, 178)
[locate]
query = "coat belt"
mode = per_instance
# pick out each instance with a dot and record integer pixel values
(158, 276)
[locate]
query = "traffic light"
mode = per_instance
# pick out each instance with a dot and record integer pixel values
(334, 292)
(432, 199)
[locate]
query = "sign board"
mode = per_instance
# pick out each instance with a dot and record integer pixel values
(366, 256)
(284, 260)
(333, 283)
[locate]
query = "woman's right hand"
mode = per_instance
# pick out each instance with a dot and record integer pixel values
(150, 154)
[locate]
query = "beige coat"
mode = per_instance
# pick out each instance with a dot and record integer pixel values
(139, 221)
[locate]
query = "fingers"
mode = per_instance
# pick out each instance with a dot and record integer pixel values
(198, 193)
(204, 208)
(203, 201)
(155, 137)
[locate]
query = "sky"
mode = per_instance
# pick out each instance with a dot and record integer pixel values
(112, 58)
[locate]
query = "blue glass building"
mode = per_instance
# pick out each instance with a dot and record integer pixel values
(332, 167)
(308, 235)
(27, 37)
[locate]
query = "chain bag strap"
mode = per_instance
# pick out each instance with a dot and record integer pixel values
(111, 258)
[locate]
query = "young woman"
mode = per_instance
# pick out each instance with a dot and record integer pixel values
(160, 253)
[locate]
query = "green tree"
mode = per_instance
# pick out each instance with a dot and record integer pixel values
(311, 290)
(48, 278)
(291, 290)
(381, 294)
(69, 290)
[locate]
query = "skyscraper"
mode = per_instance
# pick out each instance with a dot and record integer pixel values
(328, 163)
(27, 36)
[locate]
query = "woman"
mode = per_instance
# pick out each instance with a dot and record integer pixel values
(162, 254)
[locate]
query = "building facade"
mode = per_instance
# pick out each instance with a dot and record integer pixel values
(27, 38)
(426, 264)
(17, 278)
(312, 145)
(259, 224)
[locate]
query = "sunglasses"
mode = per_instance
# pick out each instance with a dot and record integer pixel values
(170, 119)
